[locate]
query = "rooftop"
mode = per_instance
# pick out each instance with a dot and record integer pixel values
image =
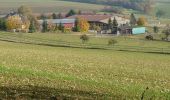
(57, 21)
(91, 17)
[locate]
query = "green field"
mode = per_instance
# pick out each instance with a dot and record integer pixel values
(28, 70)
(47, 6)
(165, 6)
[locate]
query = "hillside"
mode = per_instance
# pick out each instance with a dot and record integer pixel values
(165, 6)
(44, 6)
(42, 71)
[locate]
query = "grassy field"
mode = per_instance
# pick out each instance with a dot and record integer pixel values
(47, 6)
(133, 40)
(28, 70)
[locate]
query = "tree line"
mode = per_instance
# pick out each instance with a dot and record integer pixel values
(23, 20)
(140, 5)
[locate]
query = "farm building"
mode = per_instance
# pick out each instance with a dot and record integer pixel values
(101, 19)
(67, 23)
(131, 30)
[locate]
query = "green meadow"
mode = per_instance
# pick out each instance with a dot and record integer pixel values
(44, 71)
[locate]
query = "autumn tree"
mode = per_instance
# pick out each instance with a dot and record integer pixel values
(96, 27)
(142, 21)
(25, 11)
(51, 27)
(83, 24)
(14, 22)
(36, 23)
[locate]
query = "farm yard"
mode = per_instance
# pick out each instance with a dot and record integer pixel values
(68, 72)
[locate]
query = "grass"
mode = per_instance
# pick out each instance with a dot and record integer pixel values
(83, 73)
(134, 40)
(133, 43)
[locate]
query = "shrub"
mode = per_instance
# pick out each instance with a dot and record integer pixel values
(155, 29)
(112, 42)
(149, 37)
(166, 32)
(84, 38)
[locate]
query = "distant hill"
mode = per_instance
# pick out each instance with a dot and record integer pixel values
(47, 6)
(141, 5)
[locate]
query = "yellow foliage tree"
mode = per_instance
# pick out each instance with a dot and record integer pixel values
(18, 23)
(142, 21)
(83, 24)
(51, 27)
(14, 22)
(25, 25)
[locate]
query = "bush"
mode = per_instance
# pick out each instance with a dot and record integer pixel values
(84, 38)
(112, 42)
(155, 29)
(149, 37)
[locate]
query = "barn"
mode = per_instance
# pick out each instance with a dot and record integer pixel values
(131, 30)
(101, 20)
(67, 23)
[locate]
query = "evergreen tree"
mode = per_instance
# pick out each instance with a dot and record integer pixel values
(44, 26)
(2, 24)
(115, 23)
(59, 16)
(56, 27)
(43, 16)
(32, 27)
(79, 12)
(133, 20)
(156, 29)
(61, 27)
(54, 16)
(71, 13)
(110, 24)
(77, 27)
